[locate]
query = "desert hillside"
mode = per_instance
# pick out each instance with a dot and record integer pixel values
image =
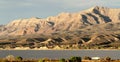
(96, 26)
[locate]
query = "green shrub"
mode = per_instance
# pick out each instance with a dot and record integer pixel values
(19, 58)
(75, 59)
(107, 58)
(62, 60)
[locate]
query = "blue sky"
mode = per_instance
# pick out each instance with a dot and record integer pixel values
(16, 9)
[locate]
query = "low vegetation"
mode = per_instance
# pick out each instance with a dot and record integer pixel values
(11, 58)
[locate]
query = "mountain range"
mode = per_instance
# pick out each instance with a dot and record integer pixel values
(94, 26)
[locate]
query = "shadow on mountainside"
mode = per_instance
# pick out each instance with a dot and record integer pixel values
(106, 18)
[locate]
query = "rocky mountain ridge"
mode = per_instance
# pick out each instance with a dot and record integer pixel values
(62, 22)
(97, 26)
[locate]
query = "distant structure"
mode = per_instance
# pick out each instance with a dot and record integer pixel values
(95, 58)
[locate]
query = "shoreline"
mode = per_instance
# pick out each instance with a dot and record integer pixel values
(60, 49)
(45, 48)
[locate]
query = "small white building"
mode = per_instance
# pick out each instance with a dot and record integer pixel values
(95, 58)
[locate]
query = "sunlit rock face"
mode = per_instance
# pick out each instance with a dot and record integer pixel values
(61, 22)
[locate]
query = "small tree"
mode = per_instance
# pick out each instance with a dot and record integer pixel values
(75, 59)
(62, 60)
(108, 59)
(19, 58)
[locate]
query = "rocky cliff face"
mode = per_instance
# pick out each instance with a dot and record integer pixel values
(95, 26)
(62, 22)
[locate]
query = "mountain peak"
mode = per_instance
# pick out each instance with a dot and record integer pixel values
(63, 21)
(35, 18)
(97, 8)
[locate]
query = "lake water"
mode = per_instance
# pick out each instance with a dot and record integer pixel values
(56, 54)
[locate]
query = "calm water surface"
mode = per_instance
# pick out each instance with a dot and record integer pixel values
(55, 54)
